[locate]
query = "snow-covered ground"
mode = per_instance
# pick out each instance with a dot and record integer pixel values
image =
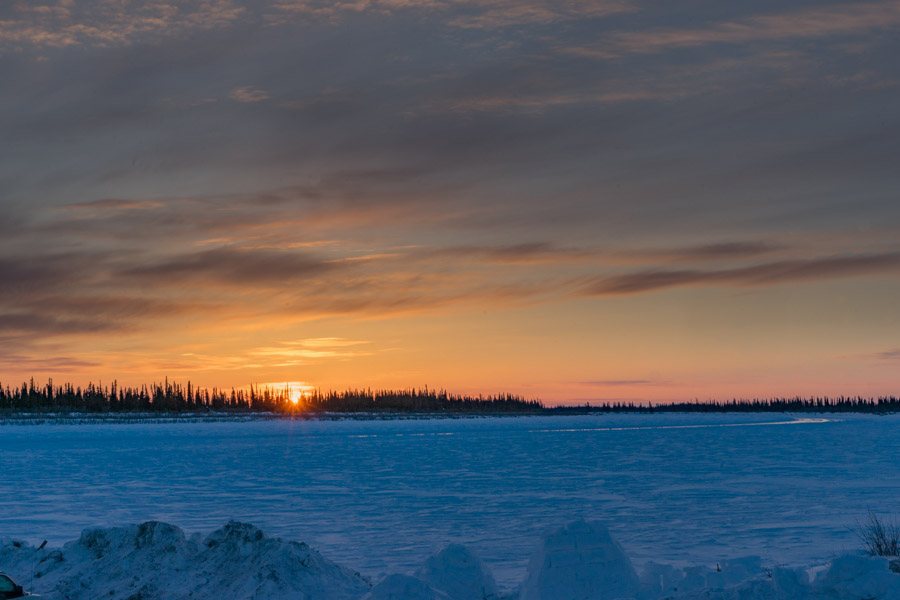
(380, 497)
(581, 561)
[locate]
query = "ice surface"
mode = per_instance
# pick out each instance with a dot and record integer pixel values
(380, 496)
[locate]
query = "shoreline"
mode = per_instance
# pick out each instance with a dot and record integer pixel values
(85, 418)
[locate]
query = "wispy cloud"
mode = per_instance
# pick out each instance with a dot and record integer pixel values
(231, 267)
(292, 353)
(282, 354)
(848, 19)
(717, 251)
(893, 354)
(44, 364)
(44, 324)
(327, 342)
(472, 14)
(620, 382)
(489, 14)
(62, 23)
(780, 272)
(110, 205)
(537, 253)
(530, 253)
(248, 95)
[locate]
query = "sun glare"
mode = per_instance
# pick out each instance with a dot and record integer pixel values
(296, 391)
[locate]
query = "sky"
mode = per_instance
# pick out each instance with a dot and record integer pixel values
(571, 200)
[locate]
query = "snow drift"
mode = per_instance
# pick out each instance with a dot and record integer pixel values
(581, 561)
(458, 573)
(156, 561)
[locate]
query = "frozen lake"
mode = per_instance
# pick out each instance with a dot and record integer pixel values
(379, 496)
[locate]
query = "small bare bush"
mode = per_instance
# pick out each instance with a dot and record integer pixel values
(878, 537)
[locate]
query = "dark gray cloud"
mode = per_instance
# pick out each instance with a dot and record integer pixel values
(721, 250)
(114, 306)
(779, 272)
(547, 252)
(44, 364)
(49, 324)
(49, 295)
(231, 267)
(789, 23)
(112, 205)
(523, 253)
(29, 272)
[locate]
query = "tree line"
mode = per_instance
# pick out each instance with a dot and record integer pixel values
(847, 404)
(170, 397)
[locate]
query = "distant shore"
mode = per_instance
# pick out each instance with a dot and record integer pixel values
(62, 418)
(168, 400)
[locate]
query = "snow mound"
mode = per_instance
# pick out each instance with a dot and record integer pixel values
(740, 577)
(459, 574)
(776, 584)
(155, 560)
(580, 562)
(404, 587)
(855, 577)
(849, 577)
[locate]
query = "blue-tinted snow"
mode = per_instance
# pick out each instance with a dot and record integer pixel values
(380, 496)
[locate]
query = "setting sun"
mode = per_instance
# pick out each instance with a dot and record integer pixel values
(295, 391)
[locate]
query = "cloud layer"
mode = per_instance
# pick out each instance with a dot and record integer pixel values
(195, 185)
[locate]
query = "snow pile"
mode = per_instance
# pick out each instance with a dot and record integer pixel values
(459, 574)
(404, 587)
(582, 562)
(579, 562)
(454, 573)
(853, 577)
(156, 561)
(774, 584)
(738, 578)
